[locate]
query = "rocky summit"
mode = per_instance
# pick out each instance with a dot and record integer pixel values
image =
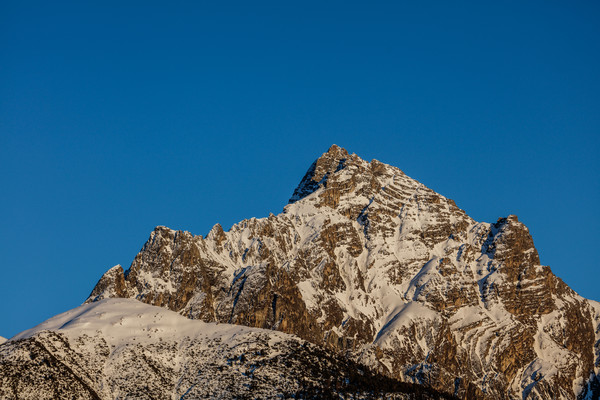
(368, 266)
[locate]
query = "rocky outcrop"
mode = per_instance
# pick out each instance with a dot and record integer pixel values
(369, 262)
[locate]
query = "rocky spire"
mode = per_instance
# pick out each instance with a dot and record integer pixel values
(331, 161)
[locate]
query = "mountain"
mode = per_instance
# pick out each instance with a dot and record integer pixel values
(122, 348)
(373, 266)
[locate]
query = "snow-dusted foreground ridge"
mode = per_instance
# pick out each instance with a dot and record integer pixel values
(369, 263)
(122, 348)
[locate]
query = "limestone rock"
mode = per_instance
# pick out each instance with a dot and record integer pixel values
(371, 263)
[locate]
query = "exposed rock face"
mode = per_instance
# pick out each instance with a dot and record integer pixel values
(368, 261)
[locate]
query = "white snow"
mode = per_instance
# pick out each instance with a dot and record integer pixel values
(120, 321)
(404, 316)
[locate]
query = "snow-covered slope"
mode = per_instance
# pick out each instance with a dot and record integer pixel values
(122, 348)
(120, 321)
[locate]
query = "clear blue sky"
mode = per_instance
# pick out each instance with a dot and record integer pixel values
(117, 118)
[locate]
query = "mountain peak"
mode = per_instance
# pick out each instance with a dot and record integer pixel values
(336, 150)
(330, 162)
(369, 261)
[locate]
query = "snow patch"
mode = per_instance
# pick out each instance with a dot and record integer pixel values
(121, 321)
(407, 315)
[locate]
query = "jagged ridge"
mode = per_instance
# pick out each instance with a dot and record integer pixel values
(368, 261)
